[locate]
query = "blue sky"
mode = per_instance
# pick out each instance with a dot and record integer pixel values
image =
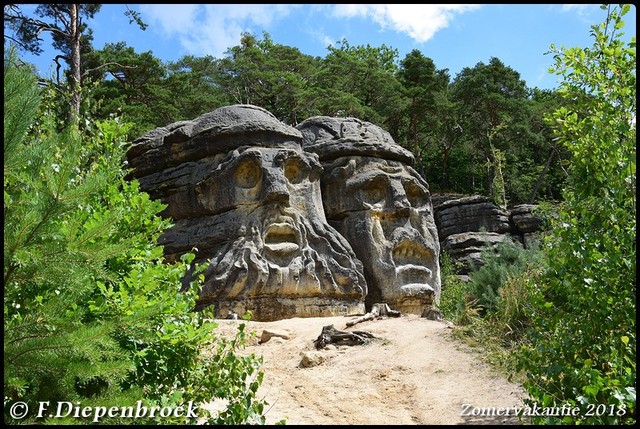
(454, 36)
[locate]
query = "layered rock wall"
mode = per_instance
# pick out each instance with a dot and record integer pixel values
(245, 198)
(469, 224)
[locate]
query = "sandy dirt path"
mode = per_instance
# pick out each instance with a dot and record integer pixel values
(413, 372)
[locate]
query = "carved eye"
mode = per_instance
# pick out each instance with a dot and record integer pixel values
(416, 195)
(248, 174)
(294, 170)
(374, 192)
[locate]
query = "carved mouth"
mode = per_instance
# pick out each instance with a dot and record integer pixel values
(281, 238)
(409, 253)
(412, 262)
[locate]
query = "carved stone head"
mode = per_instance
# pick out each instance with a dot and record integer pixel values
(373, 196)
(245, 195)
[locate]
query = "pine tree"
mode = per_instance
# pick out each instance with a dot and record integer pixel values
(52, 347)
(92, 312)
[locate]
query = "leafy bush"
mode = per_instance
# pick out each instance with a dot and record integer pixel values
(582, 348)
(500, 267)
(92, 312)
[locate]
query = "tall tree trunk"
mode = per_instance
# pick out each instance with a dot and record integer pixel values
(445, 167)
(541, 177)
(74, 75)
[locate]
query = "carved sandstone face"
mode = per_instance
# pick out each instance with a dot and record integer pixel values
(269, 186)
(282, 244)
(382, 206)
(384, 210)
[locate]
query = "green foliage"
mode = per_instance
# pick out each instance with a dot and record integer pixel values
(495, 122)
(92, 312)
(427, 109)
(50, 262)
(128, 85)
(500, 266)
(452, 297)
(583, 340)
(492, 311)
(364, 80)
(240, 387)
(269, 75)
(517, 296)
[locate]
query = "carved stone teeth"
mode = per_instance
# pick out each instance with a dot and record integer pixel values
(409, 254)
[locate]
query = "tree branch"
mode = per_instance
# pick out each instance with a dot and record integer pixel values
(19, 43)
(60, 16)
(86, 72)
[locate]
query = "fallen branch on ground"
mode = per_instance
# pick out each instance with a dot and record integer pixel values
(331, 335)
(377, 310)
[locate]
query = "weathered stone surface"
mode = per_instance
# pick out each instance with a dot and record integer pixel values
(467, 247)
(524, 220)
(375, 199)
(267, 334)
(333, 138)
(469, 224)
(312, 358)
(216, 132)
(246, 198)
(471, 213)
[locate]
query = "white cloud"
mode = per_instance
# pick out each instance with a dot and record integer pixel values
(328, 41)
(580, 8)
(588, 13)
(171, 17)
(419, 21)
(209, 29)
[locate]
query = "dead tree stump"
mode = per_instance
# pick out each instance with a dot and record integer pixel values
(331, 335)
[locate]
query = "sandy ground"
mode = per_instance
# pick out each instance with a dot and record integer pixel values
(412, 372)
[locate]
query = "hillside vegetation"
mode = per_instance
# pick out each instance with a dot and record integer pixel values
(92, 313)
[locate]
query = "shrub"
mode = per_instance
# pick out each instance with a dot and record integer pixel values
(500, 267)
(92, 312)
(582, 348)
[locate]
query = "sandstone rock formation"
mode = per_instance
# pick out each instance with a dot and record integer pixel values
(468, 224)
(246, 198)
(373, 197)
(325, 219)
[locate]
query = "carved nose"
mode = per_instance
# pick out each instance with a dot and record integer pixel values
(402, 206)
(400, 203)
(275, 188)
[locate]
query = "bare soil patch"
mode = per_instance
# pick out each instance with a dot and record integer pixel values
(412, 372)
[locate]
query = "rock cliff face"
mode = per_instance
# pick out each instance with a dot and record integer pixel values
(328, 218)
(468, 224)
(382, 206)
(245, 198)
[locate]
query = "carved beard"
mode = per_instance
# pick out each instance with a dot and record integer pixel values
(407, 259)
(283, 255)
